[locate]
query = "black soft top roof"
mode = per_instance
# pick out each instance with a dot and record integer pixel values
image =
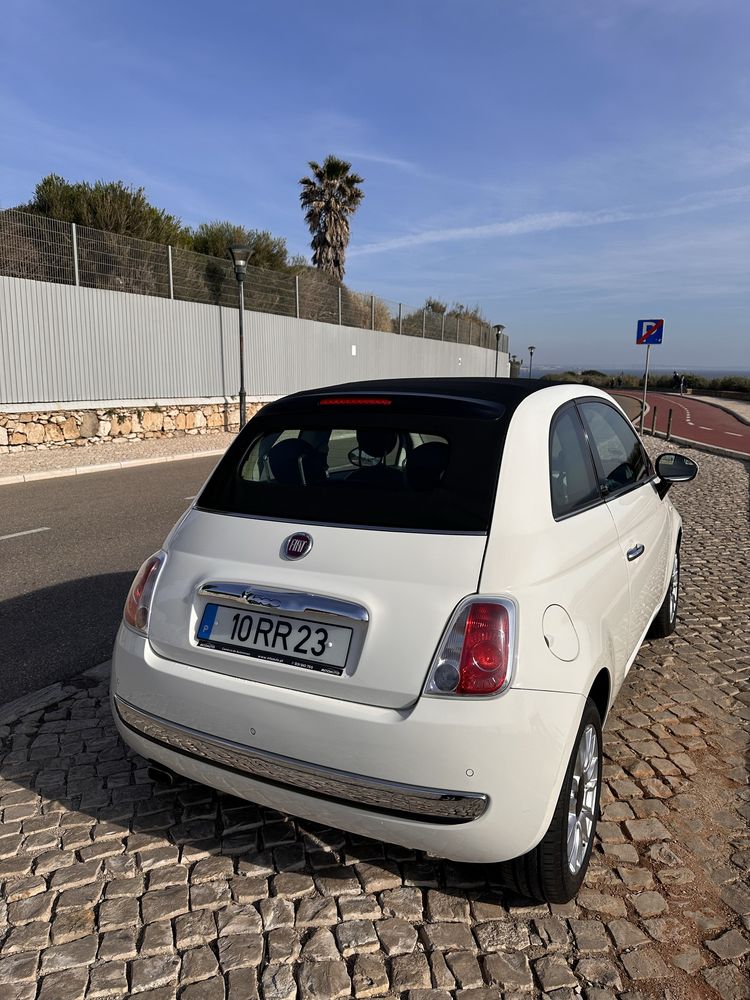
(508, 391)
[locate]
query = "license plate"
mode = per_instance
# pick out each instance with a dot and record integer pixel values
(283, 638)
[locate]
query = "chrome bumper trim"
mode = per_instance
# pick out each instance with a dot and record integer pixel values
(392, 797)
(273, 599)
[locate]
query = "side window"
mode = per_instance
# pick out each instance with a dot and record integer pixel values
(573, 480)
(623, 461)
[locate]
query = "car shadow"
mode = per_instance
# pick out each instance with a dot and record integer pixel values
(54, 633)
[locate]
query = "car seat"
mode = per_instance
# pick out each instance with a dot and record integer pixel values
(426, 465)
(294, 462)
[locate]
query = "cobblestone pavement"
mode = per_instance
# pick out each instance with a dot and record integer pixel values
(112, 886)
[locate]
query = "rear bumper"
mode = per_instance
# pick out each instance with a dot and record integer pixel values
(388, 797)
(468, 780)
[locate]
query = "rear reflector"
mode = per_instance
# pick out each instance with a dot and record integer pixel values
(475, 656)
(354, 401)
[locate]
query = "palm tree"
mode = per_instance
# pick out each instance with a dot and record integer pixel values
(329, 197)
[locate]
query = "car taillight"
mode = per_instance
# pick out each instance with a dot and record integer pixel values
(475, 657)
(354, 401)
(138, 603)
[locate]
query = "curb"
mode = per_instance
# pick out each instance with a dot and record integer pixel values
(622, 395)
(84, 470)
(37, 701)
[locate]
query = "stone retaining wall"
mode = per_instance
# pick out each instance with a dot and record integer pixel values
(63, 428)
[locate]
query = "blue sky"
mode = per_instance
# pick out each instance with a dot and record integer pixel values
(569, 165)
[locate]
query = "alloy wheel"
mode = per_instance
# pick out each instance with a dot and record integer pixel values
(583, 792)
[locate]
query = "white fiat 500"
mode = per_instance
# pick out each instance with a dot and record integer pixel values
(403, 608)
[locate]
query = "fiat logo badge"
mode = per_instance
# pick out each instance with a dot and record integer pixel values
(297, 545)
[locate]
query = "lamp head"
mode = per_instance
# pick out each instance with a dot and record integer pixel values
(240, 256)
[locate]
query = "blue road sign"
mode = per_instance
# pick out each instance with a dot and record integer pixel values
(650, 331)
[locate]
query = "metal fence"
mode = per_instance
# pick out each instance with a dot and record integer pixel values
(32, 246)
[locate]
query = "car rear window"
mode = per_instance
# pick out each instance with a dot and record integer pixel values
(412, 471)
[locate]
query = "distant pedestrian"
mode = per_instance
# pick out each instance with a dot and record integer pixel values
(682, 385)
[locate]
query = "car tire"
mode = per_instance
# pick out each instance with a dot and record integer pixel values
(554, 870)
(666, 617)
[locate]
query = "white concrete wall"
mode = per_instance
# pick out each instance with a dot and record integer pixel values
(62, 344)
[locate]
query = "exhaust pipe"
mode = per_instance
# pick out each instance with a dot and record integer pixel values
(160, 775)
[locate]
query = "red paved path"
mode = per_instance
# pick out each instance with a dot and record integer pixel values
(694, 420)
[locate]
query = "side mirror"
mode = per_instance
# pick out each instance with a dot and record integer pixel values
(361, 459)
(671, 468)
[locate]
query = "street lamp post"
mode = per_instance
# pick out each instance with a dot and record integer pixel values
(240, 256)
(531, 357)
(498, 328)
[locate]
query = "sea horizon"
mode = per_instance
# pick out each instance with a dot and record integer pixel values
(703, 372)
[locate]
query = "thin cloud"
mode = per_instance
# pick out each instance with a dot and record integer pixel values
(708, 263)
(714, 156)
(387, 161)
(413, 169)
(543, 222)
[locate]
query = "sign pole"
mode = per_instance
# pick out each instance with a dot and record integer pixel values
(650, 331)
(645, 388)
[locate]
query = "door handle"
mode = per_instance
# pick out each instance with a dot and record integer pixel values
(636, 551)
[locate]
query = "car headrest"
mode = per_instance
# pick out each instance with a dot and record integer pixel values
(377, 441)
(294, 462)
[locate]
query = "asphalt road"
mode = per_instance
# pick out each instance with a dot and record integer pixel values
(695, 421)
(69, 549)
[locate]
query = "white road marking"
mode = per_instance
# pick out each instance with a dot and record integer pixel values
(674, 402)
(190, 498)
(705, 428)
(733, 433)
(17, 534)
